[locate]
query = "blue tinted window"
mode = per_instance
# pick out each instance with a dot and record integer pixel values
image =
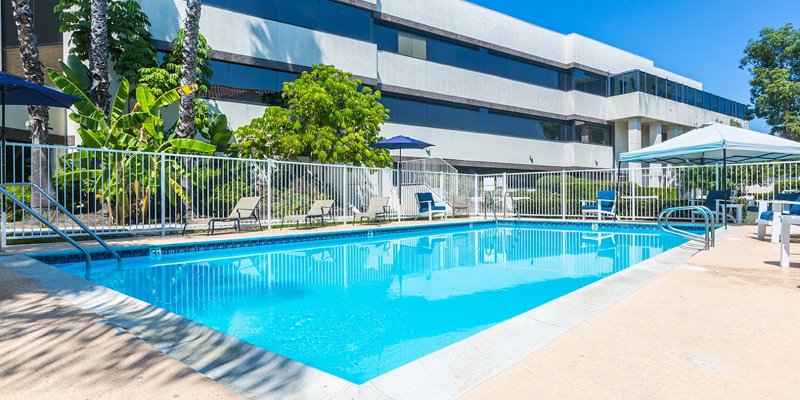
(589, 82)
(323, 15)
(344, 20)
(707, 101)
(249, 77)
(385, 38)
(690, 95)
(649, 83)
(445, 52)
(511, 68)
(661, 88)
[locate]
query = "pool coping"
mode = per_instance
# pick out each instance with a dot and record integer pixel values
(446, 373)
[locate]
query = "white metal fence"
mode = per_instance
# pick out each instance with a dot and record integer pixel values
(119, 192)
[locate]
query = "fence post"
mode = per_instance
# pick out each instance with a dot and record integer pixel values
(563, 194)
(505, 193)
(164, 197)
(634, 208)
(441, 186)
(475, 192)
(269, 194)
(345, 196)
(3, 234)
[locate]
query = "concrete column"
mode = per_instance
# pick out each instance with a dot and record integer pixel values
(635, 143)
(656, 172)
(674, 132)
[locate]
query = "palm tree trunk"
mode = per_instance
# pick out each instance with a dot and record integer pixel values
(98, 55)
(186, 128)
(38, 115)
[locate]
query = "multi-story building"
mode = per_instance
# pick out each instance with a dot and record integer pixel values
(490, 91)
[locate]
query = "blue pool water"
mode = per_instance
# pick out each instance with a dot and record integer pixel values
(360, 307)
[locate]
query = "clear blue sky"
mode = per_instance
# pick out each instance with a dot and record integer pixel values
(700, 39)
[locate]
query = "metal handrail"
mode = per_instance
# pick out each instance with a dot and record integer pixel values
(494, 206)
(55, 229)
(709, 236)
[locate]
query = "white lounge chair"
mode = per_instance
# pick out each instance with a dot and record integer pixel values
(378, 208)
(245, 209)
(320, 209)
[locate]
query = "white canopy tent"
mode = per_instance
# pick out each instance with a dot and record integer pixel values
(716, 143)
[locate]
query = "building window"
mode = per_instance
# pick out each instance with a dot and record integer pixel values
(588, 82)
(409, 44)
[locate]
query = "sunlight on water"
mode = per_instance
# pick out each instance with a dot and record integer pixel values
(358, 308)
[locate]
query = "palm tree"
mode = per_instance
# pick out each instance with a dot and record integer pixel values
(38, 115)
(186, 128)
(98, 55)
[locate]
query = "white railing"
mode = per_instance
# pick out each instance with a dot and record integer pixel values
(122, 192)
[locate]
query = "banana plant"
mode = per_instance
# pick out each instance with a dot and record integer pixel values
(127, 180)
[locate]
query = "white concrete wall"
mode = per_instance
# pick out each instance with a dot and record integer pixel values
(649, 106)
(257, 37)
(413, 73)
(483, 147)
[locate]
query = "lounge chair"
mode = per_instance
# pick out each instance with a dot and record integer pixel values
(378, 208)
(321, 209)
(786, 229)
(606, 204)
(246, 208)
(770, 214)
(461, 203)
(428, 206)
(714, 198)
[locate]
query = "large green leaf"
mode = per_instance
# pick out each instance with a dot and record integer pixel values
(77, 72)
(120, 100)
(93, 122)
(132, 120)
(93, 139)
(144, 99)
(219, 133)
(184, 146)
(172, 96)
(73, 88)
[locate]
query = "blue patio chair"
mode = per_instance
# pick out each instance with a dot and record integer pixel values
(606, 204)
(766, 216)
(429, 207)
(713, 197)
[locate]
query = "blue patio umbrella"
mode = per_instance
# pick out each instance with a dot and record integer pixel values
(16, 91)
(400, 143)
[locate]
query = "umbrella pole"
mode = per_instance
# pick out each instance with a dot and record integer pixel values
(3, 141)
(725, 186)
(400, 178)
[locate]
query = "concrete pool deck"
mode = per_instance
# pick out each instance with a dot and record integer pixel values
(685, 306)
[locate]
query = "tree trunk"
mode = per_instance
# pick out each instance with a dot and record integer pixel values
(98, 55)
(186, 128)
(38, 115)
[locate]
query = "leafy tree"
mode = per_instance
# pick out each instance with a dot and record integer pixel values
(34, 72)
(774, 62)
(327, 118)
(168, 76)
(186, 113)
(129, 41)
(126, 181)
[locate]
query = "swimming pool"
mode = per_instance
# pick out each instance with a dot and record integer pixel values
(357, 305)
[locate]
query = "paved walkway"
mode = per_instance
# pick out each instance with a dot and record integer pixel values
(49, 349)
(726, 325)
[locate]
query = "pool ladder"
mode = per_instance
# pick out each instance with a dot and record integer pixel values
(490, 202)
(86, 254)
(708, 237)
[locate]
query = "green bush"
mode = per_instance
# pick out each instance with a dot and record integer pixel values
(12, 211)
